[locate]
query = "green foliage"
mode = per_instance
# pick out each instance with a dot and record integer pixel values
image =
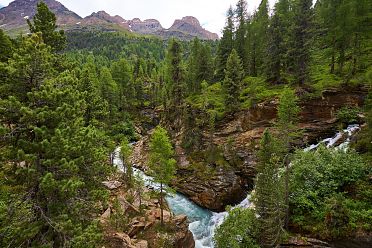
(55, 162)
(161, 163)
(239, 230)
(212, 99)
(200, 66)
(288, 114)
(269, 197)
(233, 81)
(225, 45)
(330, 196)
(301, 38)
(256, 89)
(347, 115)
(44, 21)
(5, 46)
(125, 153)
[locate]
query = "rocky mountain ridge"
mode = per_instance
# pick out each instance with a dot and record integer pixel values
(13, 18)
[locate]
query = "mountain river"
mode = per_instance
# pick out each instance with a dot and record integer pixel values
(203, 222)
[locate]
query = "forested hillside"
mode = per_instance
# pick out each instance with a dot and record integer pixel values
(213, 120)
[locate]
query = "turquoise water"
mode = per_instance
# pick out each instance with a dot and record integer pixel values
(202, 221)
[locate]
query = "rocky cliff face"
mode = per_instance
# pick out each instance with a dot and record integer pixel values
(102, 18)
(13, 17)
(149, 26)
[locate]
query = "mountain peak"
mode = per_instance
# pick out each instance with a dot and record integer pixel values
(191, 25)
(192, 20)
(13, 17)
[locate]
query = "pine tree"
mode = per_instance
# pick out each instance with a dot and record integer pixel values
(192, 66)
(162, 163)
(288, 114)
(241, 31)
(301, 39)
(5, 46)
(122, 75)
(268, 200)
(109, 90)
(97, 107)
(205, 65)
(44, 21)
(278, 46)
(233, 81)
(175, 80)
(259, 36)
(225, 45)
(55, 162)
(125, 153)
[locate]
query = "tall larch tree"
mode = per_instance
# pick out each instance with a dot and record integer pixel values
(175, 79)
(225, 45)
(233, 81)
(122, 75)
(162, 162)
(269, 205)
(241, 17)
(301, 39)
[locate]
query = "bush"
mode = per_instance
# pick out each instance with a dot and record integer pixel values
(330, 195)
(347, 115)
(239, 230)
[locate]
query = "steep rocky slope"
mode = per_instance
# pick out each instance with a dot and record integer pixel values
(238, 137)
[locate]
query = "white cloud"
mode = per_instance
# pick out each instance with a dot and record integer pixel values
(211, 13)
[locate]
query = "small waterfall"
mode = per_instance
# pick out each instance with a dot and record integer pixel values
(330, 142)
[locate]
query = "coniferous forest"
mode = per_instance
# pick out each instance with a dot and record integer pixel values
(210, 121)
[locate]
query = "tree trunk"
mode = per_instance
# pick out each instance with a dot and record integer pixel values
(161, 204)
(286, 219)
(333, 55)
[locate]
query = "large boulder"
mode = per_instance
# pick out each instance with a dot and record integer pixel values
(215, 192)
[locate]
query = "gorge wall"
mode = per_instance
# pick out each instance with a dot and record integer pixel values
(237, 138)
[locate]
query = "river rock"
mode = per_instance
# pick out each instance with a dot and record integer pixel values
(112, 184)
(142, 244)
(126, 206)
(119, 240)
(183, 237)
(136, 228)
(216, 192)
(180, 219)
(106, 215)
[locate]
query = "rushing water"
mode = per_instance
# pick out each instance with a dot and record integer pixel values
(204, 222)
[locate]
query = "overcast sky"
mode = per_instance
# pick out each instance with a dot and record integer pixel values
(211, 13)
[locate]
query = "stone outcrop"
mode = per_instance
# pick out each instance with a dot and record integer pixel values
(149, 26)
(141, 230)
(214, 192)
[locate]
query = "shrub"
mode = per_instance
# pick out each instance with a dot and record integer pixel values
(348, 114)
(330, 195)
(239, 230)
